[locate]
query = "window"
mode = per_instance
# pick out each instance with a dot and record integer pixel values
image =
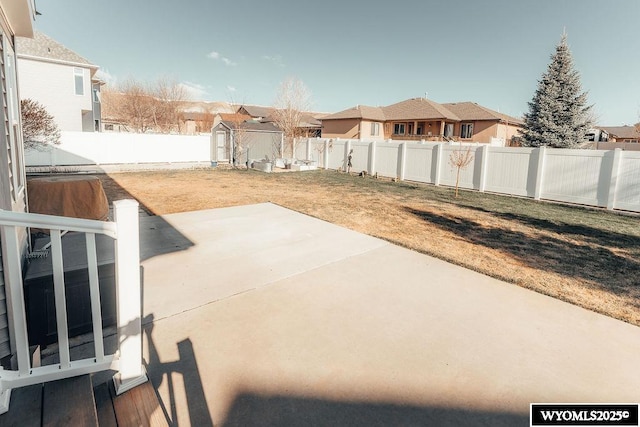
(398, 129)
(96, 95)
(375, 129)
(466, 130)
(448, 130)
(108, 127)
(78, 75)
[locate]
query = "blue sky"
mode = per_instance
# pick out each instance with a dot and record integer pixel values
(354, 52)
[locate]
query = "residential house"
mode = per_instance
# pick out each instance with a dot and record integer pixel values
(309, 125)
(16, 19)
(622, 133)
(259, 140)
(422, 119)
(70, 92)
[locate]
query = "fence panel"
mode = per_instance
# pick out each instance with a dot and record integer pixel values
(419, 162)
(336, 154)
(511, 171)
(577, 176)
(628, 189)
(360, 156)
(387, 158)
(91, 148)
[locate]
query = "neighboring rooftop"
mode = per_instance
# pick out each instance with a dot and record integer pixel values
(42, 46)
(423, 109)
(252, 125)
(626, 132)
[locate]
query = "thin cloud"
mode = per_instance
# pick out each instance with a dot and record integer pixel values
(106, 77)
(231, 88)
(275, 59)
(216, 56)
(195, 91)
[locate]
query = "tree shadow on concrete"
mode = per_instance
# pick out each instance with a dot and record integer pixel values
(590, 262)
(250, 409)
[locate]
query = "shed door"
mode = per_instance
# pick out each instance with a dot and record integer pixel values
(221, 139)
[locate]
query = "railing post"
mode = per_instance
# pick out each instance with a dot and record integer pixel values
(15, 309)
(128, 296)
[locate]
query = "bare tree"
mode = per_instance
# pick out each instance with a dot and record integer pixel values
(146, 107)
(292, 100)
(39, 128)
(460, 159)
(169, 98)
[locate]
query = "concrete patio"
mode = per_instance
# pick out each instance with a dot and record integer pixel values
(258, 315)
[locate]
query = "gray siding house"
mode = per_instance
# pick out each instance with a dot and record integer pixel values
(70, 91)
(16, 19)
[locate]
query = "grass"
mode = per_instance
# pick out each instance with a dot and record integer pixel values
(584, 256)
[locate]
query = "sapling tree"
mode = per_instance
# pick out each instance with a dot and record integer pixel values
(460, 159)
(292, 100)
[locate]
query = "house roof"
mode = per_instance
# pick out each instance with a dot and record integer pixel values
(418, 109)
(252, 125)
(629, 132)
(256, 110)
(358, 112)
(42, 46)
(423, 109)
(472, 112)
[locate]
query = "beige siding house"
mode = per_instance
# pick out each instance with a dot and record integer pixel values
(422, 119)
(70, 91)
(16, 19)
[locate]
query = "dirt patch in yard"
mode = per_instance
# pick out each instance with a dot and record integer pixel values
(588, 257)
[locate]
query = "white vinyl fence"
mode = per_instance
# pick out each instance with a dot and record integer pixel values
(602, 178)
(103, 148)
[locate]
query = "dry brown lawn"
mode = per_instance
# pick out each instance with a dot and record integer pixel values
(587, 257)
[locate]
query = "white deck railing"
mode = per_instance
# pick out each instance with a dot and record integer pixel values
(127, 360)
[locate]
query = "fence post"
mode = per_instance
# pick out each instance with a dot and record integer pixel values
(347, 148)
(402, 161)
(325, 154)
(439, 149)
(372, 157)
(483, 167)
(540, 172)
(613, 181)
(128, 296)
(308, 149)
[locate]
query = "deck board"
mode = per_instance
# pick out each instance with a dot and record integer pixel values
(25, 408)
(139, 406)
(104, 405)
(69, 402)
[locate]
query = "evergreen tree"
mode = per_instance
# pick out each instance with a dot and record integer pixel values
(558, 115)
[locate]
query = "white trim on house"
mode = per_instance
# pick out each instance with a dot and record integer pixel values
(59, 61)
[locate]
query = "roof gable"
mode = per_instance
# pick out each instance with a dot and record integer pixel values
(418, 109)
(473, 112)
(358, 112)
(42, 46)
